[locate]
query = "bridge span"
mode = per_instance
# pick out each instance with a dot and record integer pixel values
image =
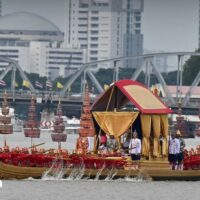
(87, 70)
(72, 103)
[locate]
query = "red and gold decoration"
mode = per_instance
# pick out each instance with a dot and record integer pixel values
(59, 127)
(86, 125)
(31, 128)
(5, 120)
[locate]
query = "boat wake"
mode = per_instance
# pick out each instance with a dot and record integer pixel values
(77, 173)
(143, 175)
(111, 174)
(55, 172)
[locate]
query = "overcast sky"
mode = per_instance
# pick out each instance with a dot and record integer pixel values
(167, 25)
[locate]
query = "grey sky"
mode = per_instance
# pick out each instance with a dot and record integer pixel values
(171, 25)
(168, 25)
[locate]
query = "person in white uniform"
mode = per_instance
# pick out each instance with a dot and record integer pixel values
(181, 152)
(135, 147)
(174, 150)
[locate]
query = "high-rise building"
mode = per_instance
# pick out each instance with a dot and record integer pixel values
(0, 8)
(37, 46)
(105, 28)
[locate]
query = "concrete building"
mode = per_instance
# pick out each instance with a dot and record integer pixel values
(105, 28)
(64, 61)
(162, 63)
(37, 46)
(0, 8)
(58, 61)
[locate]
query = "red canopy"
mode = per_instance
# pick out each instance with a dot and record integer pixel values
(124, 91)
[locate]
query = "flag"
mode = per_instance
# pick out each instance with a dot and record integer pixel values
(105, 86)
(26, 83)
(38, 85)
(2, 83)
(48, 84)
(59, 85)
(16, 84)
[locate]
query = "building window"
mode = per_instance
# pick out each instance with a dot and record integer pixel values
(83, 18)
(103, 4)
(94, 25)
(84, 46)
(137, 31)
(82, 25)
(94, 18)
(12, 56)
(93, 52)
(83, 11)
(82, 32)
(9, 51)
(65, 63)
(83, 5)
(95, 12)
(138, 18)
(94, 45)
(137, 25)
(94, 32)
(94, 38)
(93, 59)
(82, 38)
(66, 53)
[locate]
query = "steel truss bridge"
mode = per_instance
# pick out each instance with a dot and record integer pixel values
(148, 67)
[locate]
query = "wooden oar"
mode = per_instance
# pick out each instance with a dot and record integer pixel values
(36, 145)
(46, 151)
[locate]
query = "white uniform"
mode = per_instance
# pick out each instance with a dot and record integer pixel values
(91, 143)
(174, 146)
(135, 146)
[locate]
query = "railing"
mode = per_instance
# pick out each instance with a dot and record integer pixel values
(44, 96)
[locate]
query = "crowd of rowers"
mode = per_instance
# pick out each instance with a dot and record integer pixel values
(109, 146)
(33, 150)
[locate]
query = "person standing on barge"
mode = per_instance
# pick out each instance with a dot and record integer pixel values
(112, 144)
(181, 153)
(174, 150)
(135, 148)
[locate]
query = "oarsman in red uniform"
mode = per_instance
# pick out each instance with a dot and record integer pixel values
(82, 145)
(6, 149)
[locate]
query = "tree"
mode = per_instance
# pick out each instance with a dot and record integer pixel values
(191, 69)
(170, 77)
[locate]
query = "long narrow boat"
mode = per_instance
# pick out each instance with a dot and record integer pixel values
(150, 121)
(14, 172)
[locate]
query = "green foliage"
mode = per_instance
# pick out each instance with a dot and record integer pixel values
(7, 79)
(170, 78)
(104, 76)
(35, 77)
(191, 69)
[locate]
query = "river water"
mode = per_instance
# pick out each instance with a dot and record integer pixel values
(99, 190)
(64, 189)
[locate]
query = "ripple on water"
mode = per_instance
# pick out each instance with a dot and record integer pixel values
(131, 188)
